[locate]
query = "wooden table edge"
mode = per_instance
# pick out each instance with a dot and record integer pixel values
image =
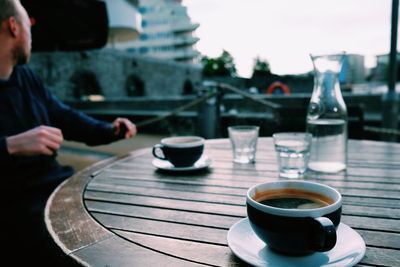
(67, 201)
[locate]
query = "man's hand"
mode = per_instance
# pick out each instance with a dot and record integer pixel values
(121, 124)
(44, 140)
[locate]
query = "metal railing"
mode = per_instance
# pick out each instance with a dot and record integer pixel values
(210, 98)
(209, 102)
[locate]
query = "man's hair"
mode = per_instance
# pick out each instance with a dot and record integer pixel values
(8, 8)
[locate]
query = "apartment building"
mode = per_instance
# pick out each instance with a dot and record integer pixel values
(167, 32)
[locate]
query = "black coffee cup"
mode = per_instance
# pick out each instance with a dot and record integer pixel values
(181, 151)
(295, 217)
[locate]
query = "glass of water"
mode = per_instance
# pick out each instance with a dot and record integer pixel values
(244, 142)
(293, 153)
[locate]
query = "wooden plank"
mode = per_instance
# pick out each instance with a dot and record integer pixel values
(161, 228)
(369, 172)
(161, 214)
(116, 251)
(369, 193)
(380, 239)
(169, 185)
(239, 175)
(367, 211)
(270, 163)
(216, 172)
(238, 181)
(149, 201)
(243, 180)
(356, 147)
(206, 253)
(381, 257)
(244, 185)
(350, 197)
(180, 186)
(372, 201)
(379, 161)
(172, 194)
(368, 145)
(210, 173)
(363, 179)
(360, 173)
(368, 223)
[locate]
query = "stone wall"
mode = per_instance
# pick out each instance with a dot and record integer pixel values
(114, 75)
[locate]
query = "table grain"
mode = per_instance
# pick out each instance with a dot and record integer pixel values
(124, 212)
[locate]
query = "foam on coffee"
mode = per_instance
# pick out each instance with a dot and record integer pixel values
(180, 141)
(183, 141)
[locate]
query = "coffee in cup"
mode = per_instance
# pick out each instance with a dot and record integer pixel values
(295, 217)
(291, 198)
(180, 151)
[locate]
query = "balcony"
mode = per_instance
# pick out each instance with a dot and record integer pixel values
(124, 21)
(184, 27)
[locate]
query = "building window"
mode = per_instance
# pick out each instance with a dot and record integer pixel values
(146, 9)
(144, 36)
(143, 50)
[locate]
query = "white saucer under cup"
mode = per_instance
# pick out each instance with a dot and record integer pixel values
(202, 163)
(245, 244)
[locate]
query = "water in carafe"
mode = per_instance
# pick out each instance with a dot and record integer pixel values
(327, 116)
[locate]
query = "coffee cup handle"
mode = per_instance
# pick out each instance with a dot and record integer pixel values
(156, 148)
(324, 234)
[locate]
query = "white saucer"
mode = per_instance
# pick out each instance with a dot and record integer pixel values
(244, 243)
(202, 163)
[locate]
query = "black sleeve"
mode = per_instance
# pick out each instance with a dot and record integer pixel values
(4, 155)
(78, 126)
(74, 125)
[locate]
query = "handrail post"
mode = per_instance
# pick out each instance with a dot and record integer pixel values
(209, 112)
(391, 100)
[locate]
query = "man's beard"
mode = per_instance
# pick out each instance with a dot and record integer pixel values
(19, 55)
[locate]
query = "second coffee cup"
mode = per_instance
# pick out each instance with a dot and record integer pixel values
(180, 151)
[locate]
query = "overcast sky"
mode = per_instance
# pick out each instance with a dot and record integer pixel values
(285, 32)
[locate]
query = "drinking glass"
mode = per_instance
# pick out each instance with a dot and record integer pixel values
(244, 142)
(293, 153)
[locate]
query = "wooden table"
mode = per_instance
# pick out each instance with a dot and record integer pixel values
(125, 212)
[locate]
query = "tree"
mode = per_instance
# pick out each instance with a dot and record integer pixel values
(261, 67)
(220, 66)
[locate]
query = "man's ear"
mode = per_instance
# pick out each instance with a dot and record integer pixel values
(12, 25)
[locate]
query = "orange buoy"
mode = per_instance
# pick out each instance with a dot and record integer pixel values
(277, 88)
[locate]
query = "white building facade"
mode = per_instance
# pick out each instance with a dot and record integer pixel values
(167, 32)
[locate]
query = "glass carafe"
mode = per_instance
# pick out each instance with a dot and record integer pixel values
(327, 116)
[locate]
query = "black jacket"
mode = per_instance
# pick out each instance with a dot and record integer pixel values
(26, 103)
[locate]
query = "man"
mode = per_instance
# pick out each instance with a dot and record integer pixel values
(33, 125)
